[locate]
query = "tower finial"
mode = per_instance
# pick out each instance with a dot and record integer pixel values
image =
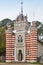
(21, 7)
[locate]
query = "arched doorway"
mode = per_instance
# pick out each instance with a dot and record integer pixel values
(20, 56)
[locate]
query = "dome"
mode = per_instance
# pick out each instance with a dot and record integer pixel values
(21, 17)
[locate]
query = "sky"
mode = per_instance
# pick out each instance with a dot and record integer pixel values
(12, 8)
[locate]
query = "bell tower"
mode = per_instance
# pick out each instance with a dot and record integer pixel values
(19, 26)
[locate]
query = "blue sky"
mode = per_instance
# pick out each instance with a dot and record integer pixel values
(12, 8)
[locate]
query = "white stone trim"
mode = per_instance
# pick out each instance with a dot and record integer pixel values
(33, 61)
(8, 61)
(15, 53)
(24, 49)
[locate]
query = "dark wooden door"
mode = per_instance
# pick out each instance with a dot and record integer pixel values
(20, 56)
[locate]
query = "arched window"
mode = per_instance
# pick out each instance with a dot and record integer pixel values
(20, 38)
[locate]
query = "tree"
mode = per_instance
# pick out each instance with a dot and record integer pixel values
(2, 40)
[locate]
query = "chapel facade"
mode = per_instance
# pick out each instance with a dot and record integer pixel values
(21, 42)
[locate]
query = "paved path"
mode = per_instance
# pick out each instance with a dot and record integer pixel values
(18, 64)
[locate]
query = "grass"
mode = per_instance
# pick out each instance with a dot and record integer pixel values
(21, 62)
(33, 62)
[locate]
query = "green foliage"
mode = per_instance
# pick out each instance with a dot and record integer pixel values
(40, 30)
(5, 21)
(38, 23)
(3, 24)
(2, 39)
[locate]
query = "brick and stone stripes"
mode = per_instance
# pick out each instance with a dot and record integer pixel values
(27, 41)
(10, 40)
(33, 44)
(8, 45)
